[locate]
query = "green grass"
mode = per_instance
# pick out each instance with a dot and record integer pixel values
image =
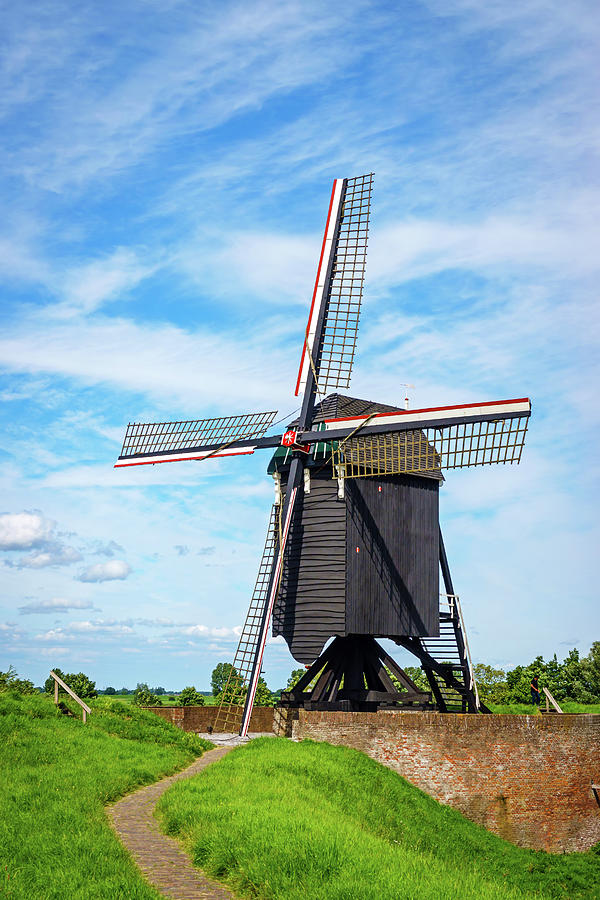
(309, 821)
(528, 709)
(57, 774)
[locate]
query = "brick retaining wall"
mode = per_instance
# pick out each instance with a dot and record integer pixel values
(526, 778)
(198, 718)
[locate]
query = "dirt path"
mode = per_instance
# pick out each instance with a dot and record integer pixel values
(160, 858)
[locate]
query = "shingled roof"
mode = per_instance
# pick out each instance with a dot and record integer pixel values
(337, 406)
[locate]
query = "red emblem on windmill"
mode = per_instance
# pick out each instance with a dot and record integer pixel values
(289, 438)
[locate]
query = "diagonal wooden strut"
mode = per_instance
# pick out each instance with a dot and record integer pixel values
(355, 673)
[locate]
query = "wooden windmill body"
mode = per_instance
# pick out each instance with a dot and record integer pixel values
(362, 558)
(354, 549)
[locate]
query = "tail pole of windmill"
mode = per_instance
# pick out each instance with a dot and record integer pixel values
(354, 548)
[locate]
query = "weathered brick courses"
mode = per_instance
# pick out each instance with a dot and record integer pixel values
(198, 718)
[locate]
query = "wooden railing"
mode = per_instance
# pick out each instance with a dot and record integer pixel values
(550, 698)
(58, 681)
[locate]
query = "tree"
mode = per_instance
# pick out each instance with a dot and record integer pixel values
(416, 674)
(49, 682)
(220, 677)
(9, 681)
(159, 691)
(83, 686)
(189, 696)
(590, 665)
(491, 683)
(143, 696)
(263, 697)
(109, 691)
(295, 676)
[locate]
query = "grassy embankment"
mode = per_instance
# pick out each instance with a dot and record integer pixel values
(310, 821)
(55, 840)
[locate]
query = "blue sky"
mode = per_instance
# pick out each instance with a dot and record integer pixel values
(166, 170)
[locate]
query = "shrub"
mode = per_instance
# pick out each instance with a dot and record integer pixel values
(10, 682)
(143, 696)
(189, 696)
(83, 686)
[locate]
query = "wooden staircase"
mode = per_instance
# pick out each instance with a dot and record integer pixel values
(446, 659)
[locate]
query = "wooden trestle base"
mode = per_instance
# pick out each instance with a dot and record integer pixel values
(353, 674)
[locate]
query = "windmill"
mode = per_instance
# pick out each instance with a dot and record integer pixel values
(353, 549)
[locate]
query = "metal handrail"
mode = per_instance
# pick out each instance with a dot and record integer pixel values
(58, 680)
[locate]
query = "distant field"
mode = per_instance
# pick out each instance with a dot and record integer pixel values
(164, 698)
(57, 774)
(310, 821)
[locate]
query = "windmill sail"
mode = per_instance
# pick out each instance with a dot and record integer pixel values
(337, 294)
(157, 442)
(426, 452)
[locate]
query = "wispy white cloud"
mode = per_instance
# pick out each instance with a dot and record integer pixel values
(201, 369)
(87, 287)
(54, 605)
(56, 555)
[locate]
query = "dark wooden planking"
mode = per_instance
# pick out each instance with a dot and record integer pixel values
(392, 586)
(311, 602)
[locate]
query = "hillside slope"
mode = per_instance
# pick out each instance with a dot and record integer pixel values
(57, 774)
(310, 821)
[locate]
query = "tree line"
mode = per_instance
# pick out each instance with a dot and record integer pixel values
(577, 678)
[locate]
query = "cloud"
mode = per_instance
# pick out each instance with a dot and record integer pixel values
(206, 551)
(56, 555)
(33, 531)
(107, 549)
(406, 250)
(182, 549)
(56, 605)
(24, 531)
(87, 287)
(162, 360)
(102, 107)
(114, 570)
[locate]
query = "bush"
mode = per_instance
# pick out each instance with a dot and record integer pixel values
(143, 696)
(189, 696)
(83, 686)
(10, 682)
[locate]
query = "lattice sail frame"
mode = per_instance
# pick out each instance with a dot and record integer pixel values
(336, 358)
(142, 439)
(427, 451)
(231, 710)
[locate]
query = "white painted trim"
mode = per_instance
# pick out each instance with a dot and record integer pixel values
(151, 459)
(422, 416)
(319, 285)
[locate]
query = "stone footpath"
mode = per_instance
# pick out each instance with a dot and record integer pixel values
(160, 858)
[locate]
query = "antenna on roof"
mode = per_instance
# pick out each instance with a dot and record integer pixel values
(407, 386)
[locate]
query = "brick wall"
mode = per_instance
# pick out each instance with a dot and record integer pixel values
(526, 778)
(198, 718)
